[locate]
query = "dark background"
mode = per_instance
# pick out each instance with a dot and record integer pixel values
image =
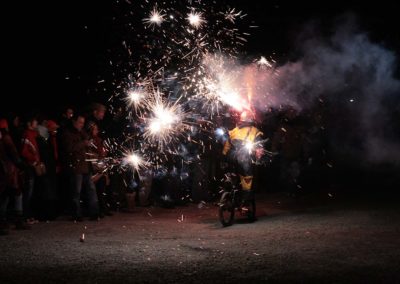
(59, 52)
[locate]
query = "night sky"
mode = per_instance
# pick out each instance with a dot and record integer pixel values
(62, 49)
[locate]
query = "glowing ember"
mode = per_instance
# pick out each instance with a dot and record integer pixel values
(264, 62)
(249, 146)
(135, 161)
(135, 97)
(195, 19)
(155, 18)
(165, 121)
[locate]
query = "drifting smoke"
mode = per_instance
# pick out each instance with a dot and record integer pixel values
(351, 75)
(356, 79)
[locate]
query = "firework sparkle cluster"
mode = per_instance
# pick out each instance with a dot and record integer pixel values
(179, 78)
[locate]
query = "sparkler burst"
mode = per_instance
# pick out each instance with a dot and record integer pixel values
(155, 18)
(223, 86)
(231, 15)
(195, 19)
(135, 98)
(165, 121)
(134, 160)
(184, 73)
(249, 146)
(263, 62)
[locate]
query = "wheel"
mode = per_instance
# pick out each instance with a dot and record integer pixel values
(226, 209)
(251, 215)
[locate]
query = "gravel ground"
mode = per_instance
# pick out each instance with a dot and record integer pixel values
(317, 240)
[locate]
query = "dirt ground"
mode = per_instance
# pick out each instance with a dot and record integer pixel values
(329, 239)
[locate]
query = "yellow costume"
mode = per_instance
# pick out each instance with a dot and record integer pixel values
(240, 147)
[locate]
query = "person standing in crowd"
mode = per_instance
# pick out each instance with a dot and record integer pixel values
(48, 182)
(65, 122)
(75, 144)
(96, 115)
(96, 155)
(30, 153)
(16, 129)
(10, 180)
(66, 116)
(52, 128)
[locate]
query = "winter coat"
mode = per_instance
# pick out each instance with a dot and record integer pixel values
(29, 147)
(74, 145)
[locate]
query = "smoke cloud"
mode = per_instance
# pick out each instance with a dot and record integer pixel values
(355, 77)
(351, 75)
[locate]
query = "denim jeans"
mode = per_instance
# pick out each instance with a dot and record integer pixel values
(27, 193)
(5, 198)
(77, 182)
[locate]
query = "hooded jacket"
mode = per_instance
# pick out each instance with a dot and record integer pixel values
(74, 145)
(29, 147)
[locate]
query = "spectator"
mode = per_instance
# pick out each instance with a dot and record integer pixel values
(48, 182)
(97, 154)
(10, 180)
(96, 115)
(75, 144)
(35, 168)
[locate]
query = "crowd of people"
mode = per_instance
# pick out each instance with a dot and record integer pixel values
(46, 166)
(49, 167)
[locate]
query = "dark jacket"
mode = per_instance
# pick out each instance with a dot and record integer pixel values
(74, 145)
(30, 149)
(8, 170)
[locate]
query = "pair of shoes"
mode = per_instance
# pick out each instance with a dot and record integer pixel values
(77, 219)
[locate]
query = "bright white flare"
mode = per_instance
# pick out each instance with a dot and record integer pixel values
(224, 91)
(264, 62)
(155, 18)
(164, 123)
(249, 146)
(135, 161)
(135, 97)
(195, 19)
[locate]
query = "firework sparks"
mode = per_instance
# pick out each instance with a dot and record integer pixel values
(195, 19)
(135, 98)
(223, 87)
(231, 15)
(263, 62)
(249, 146)
(219, 132)
(175, 61)
(135, 161)
(155, 18)
(165, 121)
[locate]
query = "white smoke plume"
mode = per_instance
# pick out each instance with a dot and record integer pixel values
(351, 74)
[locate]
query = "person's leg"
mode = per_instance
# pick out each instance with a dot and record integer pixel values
(246, 185)
(4, 199)
(75, 189)
(101, 195)
(27, 194)
(245, 170)
(91, 196)
(18, 212)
